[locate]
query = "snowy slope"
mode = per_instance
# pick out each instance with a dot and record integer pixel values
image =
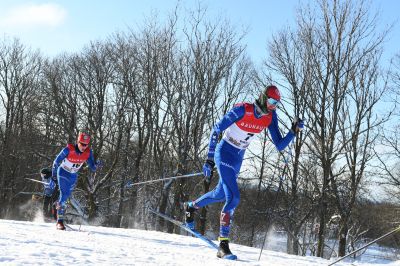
(28, 243)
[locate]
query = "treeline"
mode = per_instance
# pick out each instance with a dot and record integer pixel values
(150, 96)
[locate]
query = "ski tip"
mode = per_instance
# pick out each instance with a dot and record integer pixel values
(189, 225)
(230, 257)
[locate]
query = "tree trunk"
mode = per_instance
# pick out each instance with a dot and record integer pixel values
(163, 204)
(203, 213)
(118, 220)
(92, 206)
(321, 232)
(292, 243)
(322, 212)
(343, 239)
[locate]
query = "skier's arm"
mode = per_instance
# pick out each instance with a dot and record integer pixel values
(91, 162)
(60, 157)
(279, 141)
(227, 120)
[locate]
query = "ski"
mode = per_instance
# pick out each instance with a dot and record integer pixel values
(397, 229)
(30, 193)
(70, 228)
(193, 232)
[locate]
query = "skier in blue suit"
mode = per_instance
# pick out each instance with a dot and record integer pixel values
(66, 167)
(240, 125)
(50, 193)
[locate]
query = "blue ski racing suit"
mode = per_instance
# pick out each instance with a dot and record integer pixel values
(240, 125)
(66, 167)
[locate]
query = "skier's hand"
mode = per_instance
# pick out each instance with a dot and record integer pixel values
(297, 125)
(52, 184)
(99, 164)
(208, 170)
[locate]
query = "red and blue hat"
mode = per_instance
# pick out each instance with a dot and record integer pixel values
(273, 92)
(83, 138)
(270, 95)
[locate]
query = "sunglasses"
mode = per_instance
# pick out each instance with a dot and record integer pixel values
(83, 144)
(272, 101)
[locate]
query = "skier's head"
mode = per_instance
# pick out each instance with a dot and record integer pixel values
(269, 99)
(45, 172)
(83, 141)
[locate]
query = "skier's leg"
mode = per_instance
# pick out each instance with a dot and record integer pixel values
(229, 171)
(66, 182)
(215, 195)
(232, 200)
(232, 196)
(46, 203)
(54, 202)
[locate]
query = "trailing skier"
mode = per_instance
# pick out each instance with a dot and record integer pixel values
(240, 126)
(66, 167)
(50, 193)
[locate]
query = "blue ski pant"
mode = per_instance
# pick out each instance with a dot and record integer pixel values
(228, 161)
(66, 184)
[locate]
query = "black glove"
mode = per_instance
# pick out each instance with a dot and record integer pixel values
(45, 173)
(208, 170)
(297, 125)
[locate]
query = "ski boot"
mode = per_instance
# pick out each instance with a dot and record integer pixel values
(60, 225)
(224, 252)
(189, 215)
(60, 217)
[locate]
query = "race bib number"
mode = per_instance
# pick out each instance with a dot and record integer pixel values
(237, 137)
(71, 167)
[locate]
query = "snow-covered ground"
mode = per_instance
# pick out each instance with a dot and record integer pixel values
(37, 243)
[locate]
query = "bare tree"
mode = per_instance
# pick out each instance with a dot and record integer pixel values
(340, 53)
(389, 156)
(123, 56)
(323, 63)
(358, 127)
(93, 72)
(289, 60)
(206, 67)
(19, 77)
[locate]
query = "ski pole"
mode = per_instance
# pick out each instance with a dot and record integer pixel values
(269, 214)
(275, 202)
(38, 181)
(367, 245)
(167, 178)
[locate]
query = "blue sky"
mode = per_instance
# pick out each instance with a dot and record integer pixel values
(66, 26)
